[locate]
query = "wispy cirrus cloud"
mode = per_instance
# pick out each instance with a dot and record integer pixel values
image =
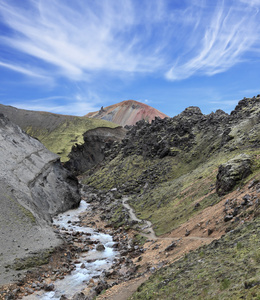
(78, 39)
(22, 70)
(222, 39)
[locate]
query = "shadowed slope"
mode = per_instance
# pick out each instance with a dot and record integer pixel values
(33, 187)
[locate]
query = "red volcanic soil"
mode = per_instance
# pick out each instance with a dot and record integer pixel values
(127, 113)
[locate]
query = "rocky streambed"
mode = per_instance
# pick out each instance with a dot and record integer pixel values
(94, 257)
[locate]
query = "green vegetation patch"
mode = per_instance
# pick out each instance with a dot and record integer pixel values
(70, 132)
(167, 191)
(36, 260)
(228, 268)
(15, 212)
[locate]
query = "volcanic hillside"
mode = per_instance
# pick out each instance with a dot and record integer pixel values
(192, 176)
(127, 113)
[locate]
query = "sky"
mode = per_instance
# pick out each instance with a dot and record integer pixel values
(72, 57)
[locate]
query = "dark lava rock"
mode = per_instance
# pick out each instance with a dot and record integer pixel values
(210, 231)
(171, 247)
(100, 247)
(80, 296)
(246, 199)
(96, 142)
(187, 232)
(196, 205)
(232, 172)
(49, 287)
(102, 285)
(228, 218)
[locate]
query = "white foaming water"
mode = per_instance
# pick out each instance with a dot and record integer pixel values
(95, 261)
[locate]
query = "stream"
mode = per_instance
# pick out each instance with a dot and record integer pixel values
(89, 264)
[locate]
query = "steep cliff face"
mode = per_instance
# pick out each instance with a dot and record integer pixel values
(33, 187)
(127, 113)
(97, 142)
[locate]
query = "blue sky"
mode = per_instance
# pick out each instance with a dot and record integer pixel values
(72, 57)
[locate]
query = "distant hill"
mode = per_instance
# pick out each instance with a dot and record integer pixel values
(127, 113)
(58, 133)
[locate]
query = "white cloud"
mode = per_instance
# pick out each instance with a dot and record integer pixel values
(225, 38)
(78, 105)
(22, 70)
(82, 38)
(78, 39)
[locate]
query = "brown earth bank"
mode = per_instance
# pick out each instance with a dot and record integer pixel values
(136, 262)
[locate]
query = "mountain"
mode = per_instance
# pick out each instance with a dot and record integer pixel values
(59, 133)
(127, 113)
(33, 187)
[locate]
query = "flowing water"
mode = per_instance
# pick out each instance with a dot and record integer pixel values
(95, 261)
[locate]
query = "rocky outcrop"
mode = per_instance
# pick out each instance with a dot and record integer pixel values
(97, 142)
(193, 131)
(170, 136)
(232, 172)
(127, 113)
(33, 187)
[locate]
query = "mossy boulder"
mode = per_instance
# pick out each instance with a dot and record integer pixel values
(232, 172)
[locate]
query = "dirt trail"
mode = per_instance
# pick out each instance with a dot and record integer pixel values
(147, 228)
(154, 257)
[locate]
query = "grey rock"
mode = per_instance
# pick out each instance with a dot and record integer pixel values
(232, 172)
(170, 247)
(49, 287)
(228, 218)
(79, 296)
(100, 247)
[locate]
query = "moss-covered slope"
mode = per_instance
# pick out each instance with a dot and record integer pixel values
(170, 165)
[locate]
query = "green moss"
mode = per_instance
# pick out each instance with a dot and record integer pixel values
(67, 134)
(38, 259)
(18, 212)
(28, 214)
(140, 239)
